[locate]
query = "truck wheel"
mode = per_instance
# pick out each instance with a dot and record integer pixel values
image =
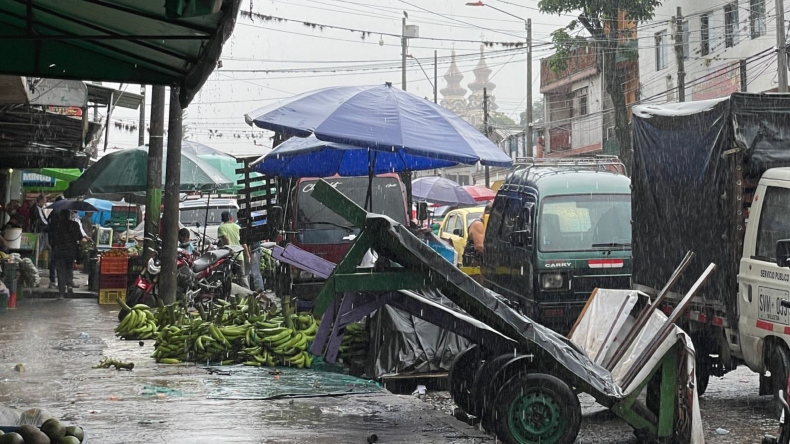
(778, 365)
(537, 408)
(461, 378)
(702, 349)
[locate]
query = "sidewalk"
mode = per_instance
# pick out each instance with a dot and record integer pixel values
(117, 406)
(43, 290)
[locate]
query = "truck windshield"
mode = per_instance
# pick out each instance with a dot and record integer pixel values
(318, 224)
(189, 216)
(585, 223)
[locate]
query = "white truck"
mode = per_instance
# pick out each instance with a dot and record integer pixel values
(712, 177)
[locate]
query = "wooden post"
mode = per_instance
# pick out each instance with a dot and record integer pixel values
(167, 279)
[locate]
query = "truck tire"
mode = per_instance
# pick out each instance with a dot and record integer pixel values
(702, 349)
(779, 366)
(461, 377)
(537, 408)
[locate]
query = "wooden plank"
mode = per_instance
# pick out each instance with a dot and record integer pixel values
(349, 264)
(322, 266)
(647, 312)
(379, 281)
(665, 330)
(584, 310)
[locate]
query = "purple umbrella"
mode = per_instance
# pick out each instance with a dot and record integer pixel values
(441, 191)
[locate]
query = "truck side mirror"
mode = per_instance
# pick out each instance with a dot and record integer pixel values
(521, 238)
(782, 252)
(458, 232)
(422, 211)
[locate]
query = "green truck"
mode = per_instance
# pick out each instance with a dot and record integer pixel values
(558, 229)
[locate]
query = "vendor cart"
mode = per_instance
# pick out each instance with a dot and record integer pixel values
(521, 379)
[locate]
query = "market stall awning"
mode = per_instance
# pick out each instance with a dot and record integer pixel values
(169, 42)
(64, 174)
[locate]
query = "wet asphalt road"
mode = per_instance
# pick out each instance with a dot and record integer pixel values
(112, 406)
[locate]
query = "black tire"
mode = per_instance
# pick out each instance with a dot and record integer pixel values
(461, 378)
(778, 365)
(481, 389)
(537, 408)
(702, 350)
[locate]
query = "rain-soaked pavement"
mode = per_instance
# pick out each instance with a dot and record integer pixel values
(170, 404)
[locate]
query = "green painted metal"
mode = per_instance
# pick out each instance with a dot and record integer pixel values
(535, 417)
(347, 266)
(379, 281)
(123, 41)
(340, 204)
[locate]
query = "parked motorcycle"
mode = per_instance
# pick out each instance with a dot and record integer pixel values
(210, 276)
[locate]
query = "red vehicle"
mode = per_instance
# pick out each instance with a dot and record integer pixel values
(322, 232)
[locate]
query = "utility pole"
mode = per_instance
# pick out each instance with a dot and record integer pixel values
(153, 201)
(528, 144)
(168, 275)
(742, 66)
(486, 130)
(781, 46)
(403, 50)
(679, 56)
(141, 133)
(435, 76)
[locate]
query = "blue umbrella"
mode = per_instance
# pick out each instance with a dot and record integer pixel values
(381, 118)
(310, 157)
(71, 204)
(440, 191)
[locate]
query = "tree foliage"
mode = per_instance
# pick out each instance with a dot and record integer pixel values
(605, 31)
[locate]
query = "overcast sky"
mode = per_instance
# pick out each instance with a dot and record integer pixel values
(288, 45)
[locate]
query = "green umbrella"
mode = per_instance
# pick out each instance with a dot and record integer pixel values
(126, 172)
(225, 163)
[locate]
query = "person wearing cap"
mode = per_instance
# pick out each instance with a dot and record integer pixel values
(228, 233)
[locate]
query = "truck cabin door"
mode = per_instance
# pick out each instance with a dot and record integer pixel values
(763, 283)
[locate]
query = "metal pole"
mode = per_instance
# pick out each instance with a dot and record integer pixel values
(435, 76)
(153, 200)
(141, 132)
(528, 146)
(486, 131)
(679, 56)
(167, 280)
(781, 46)
(403, 50)
(742, 66)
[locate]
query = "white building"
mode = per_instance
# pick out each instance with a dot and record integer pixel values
(719, 38)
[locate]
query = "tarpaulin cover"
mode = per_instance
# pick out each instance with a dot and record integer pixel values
(403, 343)
(383, 118)
(310, 157)
(682, 195)
(397, 243)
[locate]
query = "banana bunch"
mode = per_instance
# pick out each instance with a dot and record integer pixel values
(138, 324)
(233, 332)
(355, 344)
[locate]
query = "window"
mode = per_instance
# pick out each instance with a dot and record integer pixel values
(509, 218)
(450, 225)
(730, 25)
(757, 18)
(584, 222)
(774, 223)
(704, 34)
(581, 101)
(661, 50)
(685, 39)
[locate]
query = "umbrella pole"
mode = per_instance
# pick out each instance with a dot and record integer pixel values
(371, 170)
(205, 221)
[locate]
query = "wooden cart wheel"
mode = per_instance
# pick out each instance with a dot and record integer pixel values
(537, 409)
(461, 377)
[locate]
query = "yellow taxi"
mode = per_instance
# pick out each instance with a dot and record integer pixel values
(455, 227)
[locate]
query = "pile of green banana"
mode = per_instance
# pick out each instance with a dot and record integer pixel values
(354, 347)
(139, 323)
(234, 332)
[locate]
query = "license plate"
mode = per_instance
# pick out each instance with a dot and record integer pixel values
(769, 307)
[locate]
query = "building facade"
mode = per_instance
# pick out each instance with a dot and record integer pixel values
(725, 47)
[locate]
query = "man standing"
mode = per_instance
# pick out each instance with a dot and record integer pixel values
(228, 232)
(40, 226)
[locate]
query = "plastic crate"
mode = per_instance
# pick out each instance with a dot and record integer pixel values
(112, 281)
(114, 265)
(14, 429)
(110, 296)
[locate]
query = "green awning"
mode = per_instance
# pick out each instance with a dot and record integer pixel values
(166, 42)
(64, 174)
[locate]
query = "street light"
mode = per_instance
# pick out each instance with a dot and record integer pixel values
(528, 117)
(433, 85)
